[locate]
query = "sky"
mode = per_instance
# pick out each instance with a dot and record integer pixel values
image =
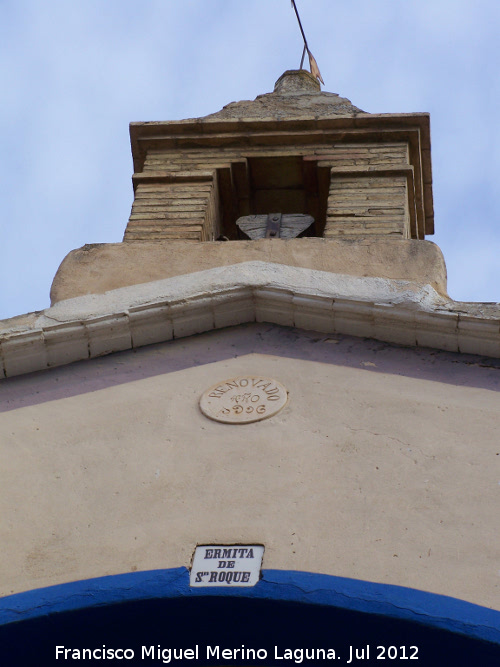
(75, 73)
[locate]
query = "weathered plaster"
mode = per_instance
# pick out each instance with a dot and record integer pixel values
(95, 269)
(363, 474)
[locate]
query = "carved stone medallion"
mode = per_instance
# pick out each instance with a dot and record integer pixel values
(244, 399)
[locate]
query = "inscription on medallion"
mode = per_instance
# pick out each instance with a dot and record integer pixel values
(243, 400)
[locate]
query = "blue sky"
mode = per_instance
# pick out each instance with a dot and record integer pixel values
(74, 73)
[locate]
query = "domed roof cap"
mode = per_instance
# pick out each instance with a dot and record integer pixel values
(297, 94)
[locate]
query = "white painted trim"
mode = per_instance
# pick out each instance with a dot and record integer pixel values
(394, 311)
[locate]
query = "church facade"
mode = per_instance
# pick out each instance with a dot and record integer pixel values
(267, 424)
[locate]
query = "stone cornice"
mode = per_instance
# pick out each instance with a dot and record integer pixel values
(394, 311)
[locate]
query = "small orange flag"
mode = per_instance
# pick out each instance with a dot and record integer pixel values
(313, 65)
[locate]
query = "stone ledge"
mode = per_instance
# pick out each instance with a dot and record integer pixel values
(100, 268)
(398, 312)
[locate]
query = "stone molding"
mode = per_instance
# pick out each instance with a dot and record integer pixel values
(394, 311)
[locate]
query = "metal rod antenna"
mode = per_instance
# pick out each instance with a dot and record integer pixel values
(312, 62)
(300, 24)
(303, 56)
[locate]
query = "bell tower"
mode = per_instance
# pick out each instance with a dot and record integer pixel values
(299, 177)
(297, 150)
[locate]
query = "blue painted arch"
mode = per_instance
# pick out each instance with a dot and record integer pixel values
(285, 610)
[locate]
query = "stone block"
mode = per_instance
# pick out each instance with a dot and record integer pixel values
(439, 330)
(274, 305)
(394, 324)
(24, 353)
(192, 316)
(66, 343)
(108, 334)
(314, 313)
(236, 307)
(479, 337)
(354, 318)
(150, 324)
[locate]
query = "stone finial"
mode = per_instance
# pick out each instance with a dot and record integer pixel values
(297, 82)
(296, 94)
